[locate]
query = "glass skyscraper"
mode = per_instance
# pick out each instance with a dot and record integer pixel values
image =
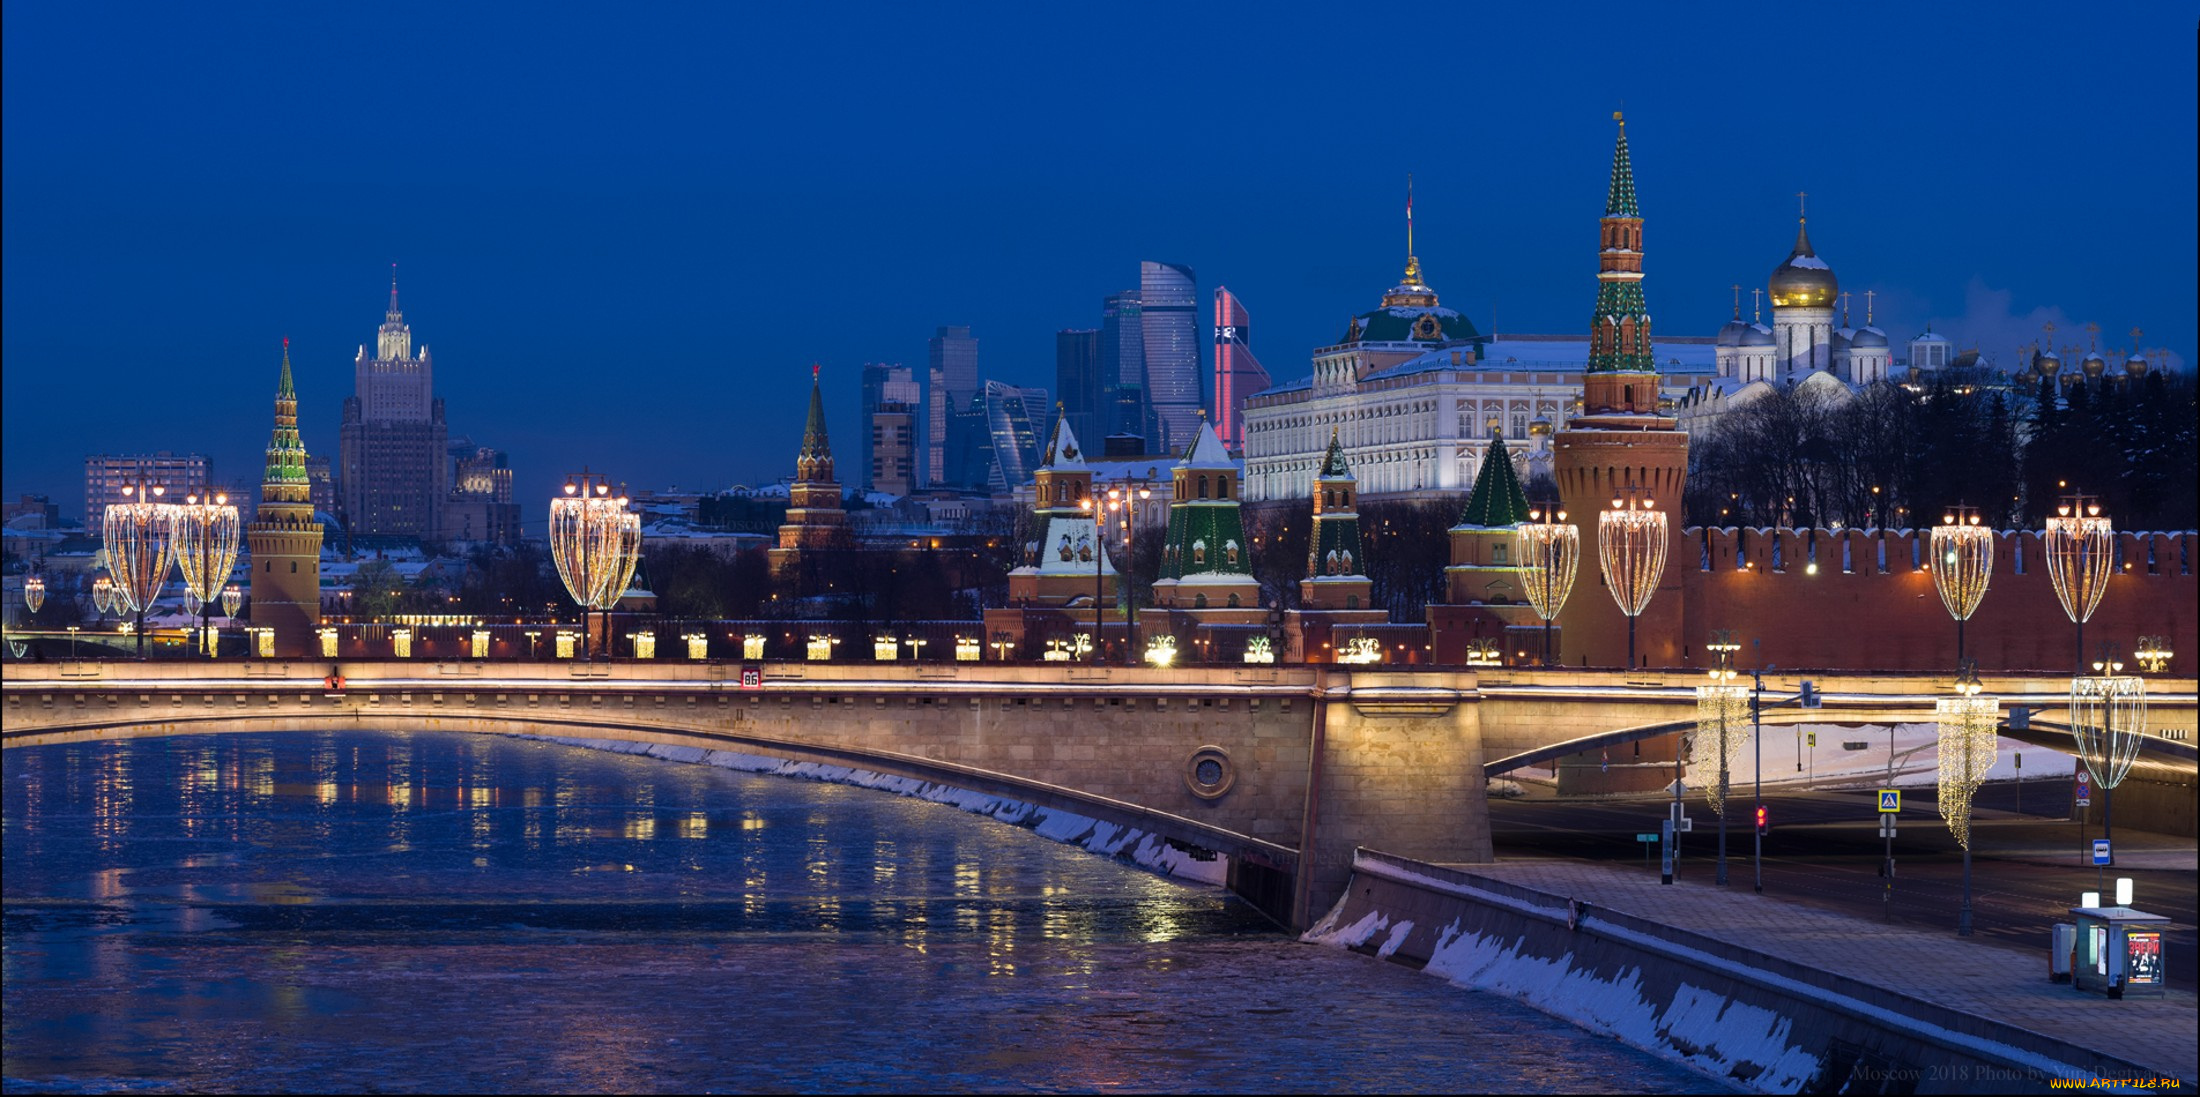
(1168, 296)
(1237, 373)
(1123, 362)
(1077, 378)
(950, 379)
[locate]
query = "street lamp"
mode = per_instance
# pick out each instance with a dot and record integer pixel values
(1549, 551)
(1963, 563)
(596, 543)
(1099, 560)
(34, 593)
(1967, 751)
(139, 535)
(1122, 508)
(2108, 718)
(206, 549)
(1719, 710)
(2081, 555)
(1631, 546)
(2153, 653)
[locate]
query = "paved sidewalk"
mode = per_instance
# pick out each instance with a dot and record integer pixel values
(2004, 984)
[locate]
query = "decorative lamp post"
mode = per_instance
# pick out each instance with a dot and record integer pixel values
(596, 543)
(1963, 563)
(1967, 751)
(1122, 507)
(1549, 552)
(1631, 545)
(1099, 558)
(206, 549)
(1721, 709)
(34, 593)
(139, 536)
(2108, 719)
(2153, 653)
(103, 595)
(2081, 555)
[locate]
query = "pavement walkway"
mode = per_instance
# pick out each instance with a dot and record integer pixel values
(2005, 984)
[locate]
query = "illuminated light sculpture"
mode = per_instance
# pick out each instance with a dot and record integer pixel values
(1161, 650)
(967, 649)
(103, 594)
(645, 644)
(1968, 739)
(821, 647)
(564, 643)
(327, 634)
(477, 643)
(34, 593)
(2081, 555)
(1962, 553)
(596, 543)
(2108, 720)
(886, 649)
(139, 536)
(1631, 546)
(752, 645)
(1549, 554)
(1722, 710)
(1361, 649)
(1260, 650)
(401, 642)
(1057, 652)
(232, 597)
(2153, 653)
(206, 532)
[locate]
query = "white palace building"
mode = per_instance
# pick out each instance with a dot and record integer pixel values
(1415, 393)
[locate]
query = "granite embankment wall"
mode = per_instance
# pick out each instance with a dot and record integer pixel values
(1750, 1020)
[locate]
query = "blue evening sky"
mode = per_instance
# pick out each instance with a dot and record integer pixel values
(626, 231)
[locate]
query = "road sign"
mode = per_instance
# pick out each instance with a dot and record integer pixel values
(2100, 852)
(1813, 738)
(1646, 837)
(2085, 788)
(1890, 801)
(1886, 826)
(1606, 766)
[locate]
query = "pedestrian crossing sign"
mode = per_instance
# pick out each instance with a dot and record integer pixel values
(1890, 801)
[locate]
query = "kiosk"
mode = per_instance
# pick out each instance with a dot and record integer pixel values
(2119, 952)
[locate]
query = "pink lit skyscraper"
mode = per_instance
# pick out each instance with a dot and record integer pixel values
(1237, 373)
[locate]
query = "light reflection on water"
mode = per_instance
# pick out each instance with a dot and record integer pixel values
(357, 910)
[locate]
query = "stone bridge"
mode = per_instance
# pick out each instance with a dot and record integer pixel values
(1285, 770)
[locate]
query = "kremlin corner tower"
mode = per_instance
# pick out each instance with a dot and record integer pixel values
(285, 538)
(1620, 442)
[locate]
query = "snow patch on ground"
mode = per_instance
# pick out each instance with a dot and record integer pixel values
(1149, 851)
(1737, 1043)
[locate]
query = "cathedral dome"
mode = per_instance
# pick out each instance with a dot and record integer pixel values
(2136, 365)
(1759, 335)
(1804, 281)
(1868, 336)
(2046, 363)
(1731, 335)
(2093, 364)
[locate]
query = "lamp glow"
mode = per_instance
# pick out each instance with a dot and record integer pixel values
(1962, 554)
(2080, 544)
(1631, 546)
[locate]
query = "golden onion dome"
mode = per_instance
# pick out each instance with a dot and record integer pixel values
(1804, 281)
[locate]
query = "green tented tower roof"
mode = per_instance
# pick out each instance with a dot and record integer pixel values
(1497, 499)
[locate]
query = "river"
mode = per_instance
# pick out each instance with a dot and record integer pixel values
(442, 912)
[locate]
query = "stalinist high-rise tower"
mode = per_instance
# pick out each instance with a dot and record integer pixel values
(1619, 442)
(284, 537)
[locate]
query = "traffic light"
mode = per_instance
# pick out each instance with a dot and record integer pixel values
(1761, 828)
(1809, 697)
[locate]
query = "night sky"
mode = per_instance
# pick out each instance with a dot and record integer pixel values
(625, 234)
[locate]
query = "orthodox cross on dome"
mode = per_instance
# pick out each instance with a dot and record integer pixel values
(1802, 209)
(1868, 295)
(1845, 309)
(1737, 300)
(1757, 304)
(2092, 336)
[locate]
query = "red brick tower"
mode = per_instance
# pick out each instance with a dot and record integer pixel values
(1619, 440)
(816, 521)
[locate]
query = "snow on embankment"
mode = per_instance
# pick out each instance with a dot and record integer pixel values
(1106, 839)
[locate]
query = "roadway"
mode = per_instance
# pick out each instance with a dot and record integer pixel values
(1824, 849)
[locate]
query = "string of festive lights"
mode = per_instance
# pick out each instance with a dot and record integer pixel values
(1631, 546)
(34, 592)
(1962, 553)
(1967, 751)
(1549, 552)
(2080, 543)
(1722, 728)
